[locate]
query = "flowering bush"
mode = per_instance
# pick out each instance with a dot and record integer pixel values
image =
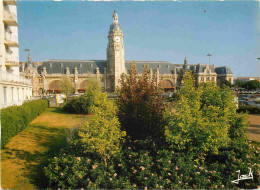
(138, 166)
(205, 145)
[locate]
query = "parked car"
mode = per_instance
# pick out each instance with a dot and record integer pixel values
(251, 106)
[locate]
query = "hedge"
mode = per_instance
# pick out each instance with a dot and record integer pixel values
(16, 118)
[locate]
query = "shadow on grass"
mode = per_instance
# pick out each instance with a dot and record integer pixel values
(51, 140)
(58, 110)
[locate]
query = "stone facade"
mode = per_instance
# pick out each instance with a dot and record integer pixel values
(46, 75)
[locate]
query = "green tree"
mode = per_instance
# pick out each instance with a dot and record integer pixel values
(226, 83)
(140, 105)
(67, 87)
(240, 83)
(252, 85)
(201, 121)
(102, 135)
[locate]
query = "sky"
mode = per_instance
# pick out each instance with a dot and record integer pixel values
(153, 31)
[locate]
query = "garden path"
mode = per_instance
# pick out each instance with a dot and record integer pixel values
(23, 158)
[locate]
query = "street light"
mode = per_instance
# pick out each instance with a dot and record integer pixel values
(209, 57)
(28, 50)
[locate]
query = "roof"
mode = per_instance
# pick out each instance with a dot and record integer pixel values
(89, 66)
(223, 70)
(201, 67)
(115, 26)
(83, 66)
(164, 67)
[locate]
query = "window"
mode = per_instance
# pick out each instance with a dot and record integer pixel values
(5, 96)
(202, 79)
(40, 80)
(207, 78)
(213, 78)
(229, 79)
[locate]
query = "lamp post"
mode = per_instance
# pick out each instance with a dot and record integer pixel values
(209, 57)
(28, 50)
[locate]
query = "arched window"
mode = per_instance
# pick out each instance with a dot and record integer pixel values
(55, 85)
(83, 85)
(166, 84)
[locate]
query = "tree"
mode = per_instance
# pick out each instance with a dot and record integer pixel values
(226, 83)
(240, 83)
(93, 91)
(102, 135)
(67, 87)
(140, 105)
(201, 121)
(252, 85)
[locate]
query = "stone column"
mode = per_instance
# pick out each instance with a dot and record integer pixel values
(76, 76)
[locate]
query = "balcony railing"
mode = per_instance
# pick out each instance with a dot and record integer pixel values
(9, 77)
(11, 61)
(10, 2)
(10, 18)
(11, 40)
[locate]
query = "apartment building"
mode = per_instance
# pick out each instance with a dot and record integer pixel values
(14, 89)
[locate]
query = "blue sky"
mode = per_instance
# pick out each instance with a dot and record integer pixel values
(158, 31)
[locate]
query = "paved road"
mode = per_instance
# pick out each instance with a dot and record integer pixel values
(254, 128)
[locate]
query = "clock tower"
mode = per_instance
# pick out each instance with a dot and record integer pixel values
(115, 54)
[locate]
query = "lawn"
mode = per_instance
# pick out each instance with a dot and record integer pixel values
(23, 158)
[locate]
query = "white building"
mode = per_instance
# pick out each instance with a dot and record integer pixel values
(14, 89)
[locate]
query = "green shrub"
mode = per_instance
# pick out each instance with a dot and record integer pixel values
(16, 118)
(78, 105)
(137, 167)
(205, 145)
(84, 104)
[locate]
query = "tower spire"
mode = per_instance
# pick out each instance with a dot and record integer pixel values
(186, 61)
(115, 17)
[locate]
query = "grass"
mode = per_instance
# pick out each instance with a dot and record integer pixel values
(23, 158)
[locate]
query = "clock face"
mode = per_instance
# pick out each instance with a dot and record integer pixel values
(117, 39)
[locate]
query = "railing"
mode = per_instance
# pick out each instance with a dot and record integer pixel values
(9, 77)
(11, 60)
(10, 2)
(8, 15)
(11, 37)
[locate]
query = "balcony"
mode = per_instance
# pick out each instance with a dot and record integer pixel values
(11, 41)
(10, 2)
(11, 61)
(11, 78)
(10, 18)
